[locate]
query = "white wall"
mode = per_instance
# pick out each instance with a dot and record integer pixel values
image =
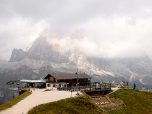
(51, 86)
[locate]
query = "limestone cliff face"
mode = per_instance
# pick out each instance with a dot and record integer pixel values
(17, 55)
(39, 50)
(29, 46)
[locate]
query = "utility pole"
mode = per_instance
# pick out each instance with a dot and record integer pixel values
(77, 80)
(71, 92)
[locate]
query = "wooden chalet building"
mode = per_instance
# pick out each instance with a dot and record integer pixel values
(54, 81)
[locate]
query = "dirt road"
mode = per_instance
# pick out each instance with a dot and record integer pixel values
(37, 97)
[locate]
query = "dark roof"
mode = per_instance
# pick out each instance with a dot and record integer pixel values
(68, 76)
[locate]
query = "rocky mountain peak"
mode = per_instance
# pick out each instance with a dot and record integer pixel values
(41, 39)
(17, 55)
(29, 46)
(39, 49)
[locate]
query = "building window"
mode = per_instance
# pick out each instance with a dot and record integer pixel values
(53, 85)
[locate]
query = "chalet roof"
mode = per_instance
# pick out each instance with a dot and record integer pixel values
(68, 76)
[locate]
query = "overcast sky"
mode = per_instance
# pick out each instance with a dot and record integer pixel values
(104, 28)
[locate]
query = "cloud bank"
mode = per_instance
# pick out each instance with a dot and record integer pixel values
(100, 28)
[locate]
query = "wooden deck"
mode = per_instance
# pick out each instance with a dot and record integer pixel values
(97, 92)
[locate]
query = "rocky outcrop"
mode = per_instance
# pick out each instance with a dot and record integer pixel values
(18, 55)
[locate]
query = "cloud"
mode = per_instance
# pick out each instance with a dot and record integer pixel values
(18, 33)
(103, 28)
(100, 49)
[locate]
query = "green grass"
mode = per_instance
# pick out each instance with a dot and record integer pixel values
(14, 101)
(136, 102)
(73, 105)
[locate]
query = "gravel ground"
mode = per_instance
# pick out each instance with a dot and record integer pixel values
(37, 97)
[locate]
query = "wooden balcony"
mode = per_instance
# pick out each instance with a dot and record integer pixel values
(48, 81)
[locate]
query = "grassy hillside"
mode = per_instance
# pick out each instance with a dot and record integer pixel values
(136, 102)
(75, 105)
(14, 101)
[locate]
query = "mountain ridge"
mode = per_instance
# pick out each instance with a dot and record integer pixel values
(41, 58)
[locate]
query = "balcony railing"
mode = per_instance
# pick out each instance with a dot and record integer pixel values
(48, 81)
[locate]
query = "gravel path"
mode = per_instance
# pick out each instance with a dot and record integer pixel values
(37, 97)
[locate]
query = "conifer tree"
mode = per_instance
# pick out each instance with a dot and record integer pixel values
(134, 86)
